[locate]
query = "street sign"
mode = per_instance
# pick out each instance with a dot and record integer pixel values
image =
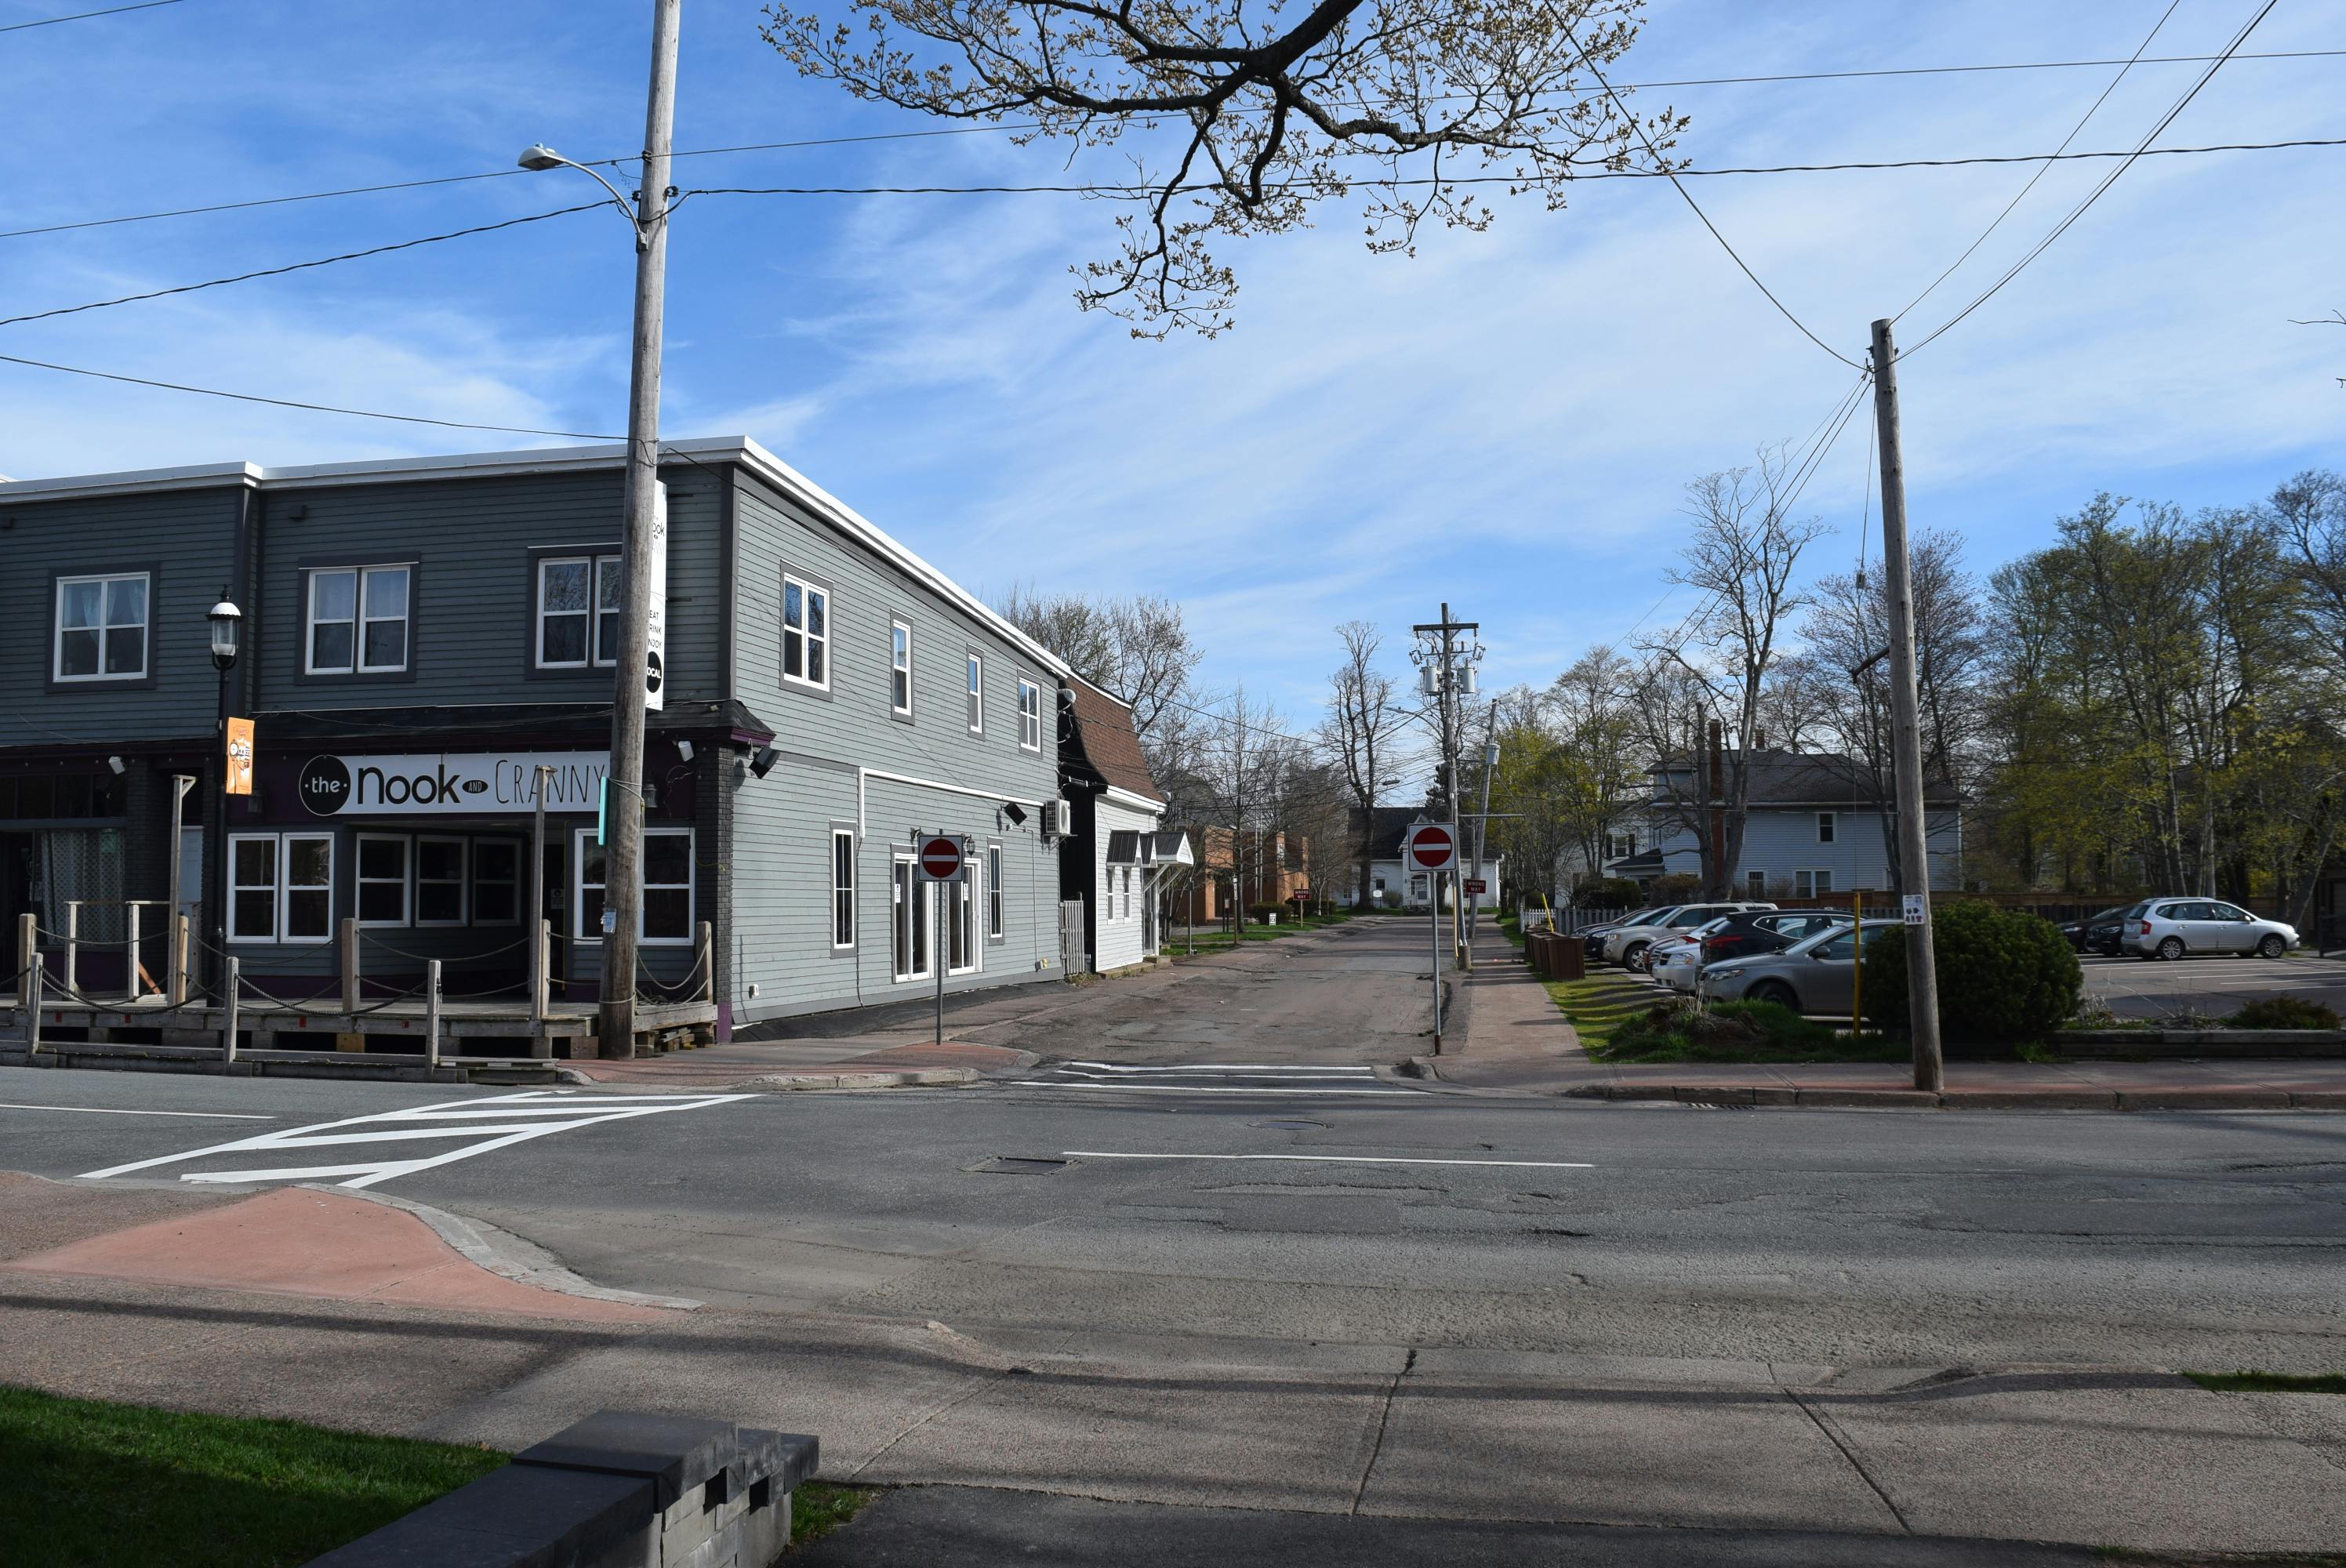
(1917, 908)
(1476, 887)
(1431, 847)
(940, 859)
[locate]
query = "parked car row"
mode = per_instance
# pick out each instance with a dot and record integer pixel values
(2170, 928)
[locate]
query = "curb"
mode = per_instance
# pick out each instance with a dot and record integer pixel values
(2175, 1099)
(508, 1256)
(785, 1083)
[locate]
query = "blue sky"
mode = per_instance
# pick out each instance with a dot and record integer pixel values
(1505, 419)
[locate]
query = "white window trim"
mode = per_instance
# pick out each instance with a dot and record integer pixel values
(464, 878)
(1027, 717)
(960, 898)
(582, 839)
(473, 880)
(905, 707)
(973, 674)
(594, 565)
(1813, 889)
(1754, 882)
(997, 913)
(852, 867)
(285, 887)
(808, 594)
(904, 860)
(360, 881)
(57, 628)
(1828, 828)
(359, 620)
(276, 885)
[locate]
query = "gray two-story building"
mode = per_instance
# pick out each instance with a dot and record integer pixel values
(425, 639)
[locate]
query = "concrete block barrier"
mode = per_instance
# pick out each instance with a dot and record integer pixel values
(618, 1490)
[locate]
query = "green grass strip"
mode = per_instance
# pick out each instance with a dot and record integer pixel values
(2249, 1382)
(100, 1485)
(818, 1508)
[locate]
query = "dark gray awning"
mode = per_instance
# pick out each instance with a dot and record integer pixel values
(1123, 846)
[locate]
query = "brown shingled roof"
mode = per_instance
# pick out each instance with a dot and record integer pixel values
(1104, 735)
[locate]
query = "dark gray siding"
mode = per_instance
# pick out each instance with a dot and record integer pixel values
(186, 537)
(473, 610)
(780, 847)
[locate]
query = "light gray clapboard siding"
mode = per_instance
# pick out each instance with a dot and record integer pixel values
(1783, 842)
(782, 823)
(474, 611)
(188, 537)
(1118, 929)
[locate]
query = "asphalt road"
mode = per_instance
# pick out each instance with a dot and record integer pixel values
(1321, 1206)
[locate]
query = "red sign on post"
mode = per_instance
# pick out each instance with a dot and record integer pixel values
(1432, 848)
(940, 859)
(1478, 886)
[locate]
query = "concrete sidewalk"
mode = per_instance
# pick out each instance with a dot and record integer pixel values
(1784, 1457)
(806, 1064)
(1516, 1039)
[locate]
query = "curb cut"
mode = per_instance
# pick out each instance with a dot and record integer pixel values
(786, 1083)
(506, 1254)
(2154, 1099)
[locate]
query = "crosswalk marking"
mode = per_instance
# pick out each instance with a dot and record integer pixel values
(494, 1123)
(1216, 1078)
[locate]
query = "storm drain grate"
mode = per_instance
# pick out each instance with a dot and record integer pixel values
(1016, 1165)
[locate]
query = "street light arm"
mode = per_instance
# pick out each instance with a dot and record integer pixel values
(543, 156)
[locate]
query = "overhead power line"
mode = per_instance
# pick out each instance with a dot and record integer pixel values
(84, 15)
(296, 404)
(2075, 131)
(1012, 126)
(297, 266)
(2108, 180)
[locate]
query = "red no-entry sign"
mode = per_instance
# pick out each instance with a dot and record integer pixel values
(1432, 848)
(940, 859)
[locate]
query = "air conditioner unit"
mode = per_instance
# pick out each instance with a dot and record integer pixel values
(1058, 820)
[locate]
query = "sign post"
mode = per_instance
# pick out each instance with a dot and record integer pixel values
(940, 860)
(1432, 848)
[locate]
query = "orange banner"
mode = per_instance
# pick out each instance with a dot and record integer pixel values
(240, 756)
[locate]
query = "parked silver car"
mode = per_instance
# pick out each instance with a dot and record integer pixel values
(1816, 976)
(1675, 961)
(1627, 946)
(2169, 928)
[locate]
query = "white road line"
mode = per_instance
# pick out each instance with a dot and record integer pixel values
(1191, 1088)
(1331, 1159)
(110, 1111)
(452, 1119)
(1230, 1067)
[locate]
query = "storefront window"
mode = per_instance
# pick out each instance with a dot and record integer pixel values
(496, 881)
(438, 881)
(666, 918)
(382, 879)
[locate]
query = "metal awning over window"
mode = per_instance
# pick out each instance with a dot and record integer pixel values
(1123, 846)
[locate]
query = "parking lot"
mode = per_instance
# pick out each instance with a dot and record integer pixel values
(2210, 986)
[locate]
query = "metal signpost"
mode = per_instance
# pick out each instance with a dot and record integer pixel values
(942, 862)
(1432, 848)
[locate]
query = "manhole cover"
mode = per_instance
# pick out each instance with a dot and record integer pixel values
(1290, 1122)
(1016, 1164)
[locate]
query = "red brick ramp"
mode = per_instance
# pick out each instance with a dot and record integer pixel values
(297, 1241)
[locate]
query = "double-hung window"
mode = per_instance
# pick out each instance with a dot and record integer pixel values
(900, 668)
(577, 611)
(1824, 827)
(101, 628)
(496, 881)
(383, 879)
(994, 893)
(1030, 715)
(842, 889)
(438, 881)
(280, 887)
(664, 917)
(977, 694)
(1811, 884)
(806, 634)
(358, 620)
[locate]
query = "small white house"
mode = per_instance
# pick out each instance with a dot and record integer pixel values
(1390, 880)
(1815, 829)
(1116, 852)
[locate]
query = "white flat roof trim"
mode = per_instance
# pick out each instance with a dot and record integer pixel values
(1136, 800)
(545, 460)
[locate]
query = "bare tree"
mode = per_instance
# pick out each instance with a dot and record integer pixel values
(1136, 647)
(1740, 557)
(1277, 107)
(1363, 731)
(1241, 762)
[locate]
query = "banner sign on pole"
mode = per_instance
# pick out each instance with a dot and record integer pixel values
(240, 756)
(656, 608)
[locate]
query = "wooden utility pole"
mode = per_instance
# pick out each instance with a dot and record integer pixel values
(1906, 730)
(615, 1026)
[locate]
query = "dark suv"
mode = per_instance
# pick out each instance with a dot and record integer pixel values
(1755, 932)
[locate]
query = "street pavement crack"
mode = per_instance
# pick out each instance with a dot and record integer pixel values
(978, 1386)
(1832, 1436)
(1384, 1417)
